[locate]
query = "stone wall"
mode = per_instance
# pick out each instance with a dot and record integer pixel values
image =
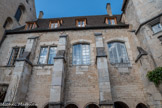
(8, 8)
(81, 82)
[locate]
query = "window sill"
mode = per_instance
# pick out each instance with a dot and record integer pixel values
(157, 33)
(81, 65)
(8, 66)
(121, 65)
(44, 65)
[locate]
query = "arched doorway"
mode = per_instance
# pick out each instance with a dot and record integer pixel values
(120, 105)
(71, 106)
(141, 105)
(92, 106)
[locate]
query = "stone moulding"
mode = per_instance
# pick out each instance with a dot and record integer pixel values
(142, 52)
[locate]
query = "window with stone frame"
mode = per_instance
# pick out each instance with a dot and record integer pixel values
(47, 54)
(156, 28)
(81, 22)
(16, 52)
(117, 53)
(111, 21)
(81, 54)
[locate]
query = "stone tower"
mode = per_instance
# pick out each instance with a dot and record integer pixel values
(145, 18)
(14, 13)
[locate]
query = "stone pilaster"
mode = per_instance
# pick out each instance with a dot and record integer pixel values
(103, 74)
(18, 87)
(58, 75)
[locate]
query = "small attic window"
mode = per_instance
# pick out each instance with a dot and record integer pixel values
(55, 23)
(111, 21)
(81, 22)
(156, 28)
(30, 25)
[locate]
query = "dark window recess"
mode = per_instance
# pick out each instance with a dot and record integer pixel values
(160, 38)
(13, 56)
(3, 91)
(18, 14)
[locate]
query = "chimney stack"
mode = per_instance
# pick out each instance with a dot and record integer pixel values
(41, 14)
(108, 7)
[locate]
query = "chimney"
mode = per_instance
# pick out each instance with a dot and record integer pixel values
(41, 14)
(108, 7)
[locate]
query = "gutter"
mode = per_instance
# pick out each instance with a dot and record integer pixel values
(67, 29)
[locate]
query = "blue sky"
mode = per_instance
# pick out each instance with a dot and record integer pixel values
(68, 8)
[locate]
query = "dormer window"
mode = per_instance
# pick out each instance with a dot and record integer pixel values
(55, 24)
(157, 28)
(111, 21)
(81, 22)
(31, 25)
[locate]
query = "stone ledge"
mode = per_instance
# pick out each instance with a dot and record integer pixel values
(106, 103)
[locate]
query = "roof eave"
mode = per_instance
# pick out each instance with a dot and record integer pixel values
(67, 29)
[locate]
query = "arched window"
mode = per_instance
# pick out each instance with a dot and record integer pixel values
(91, 106)
(71, 106)
(120, 105)
(117, 53)
(19, 12)
(8, 23)
(81, 54)
(141, 105)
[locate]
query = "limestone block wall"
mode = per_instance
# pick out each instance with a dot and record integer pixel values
(139, 11)
(81, 82)
(8, 8)
(147, 9)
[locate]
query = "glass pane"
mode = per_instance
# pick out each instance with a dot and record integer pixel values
(113, 53)
(52, 54)
(85, 54)
(52, 25)
(77, 55)
(109, 22)
(79, 23)
(112, 21)
(56, 25)
(83, 24)
(18, 14)
(21, 51)
(13, 56)
(156, 28)
(118, 53)
(43, 55)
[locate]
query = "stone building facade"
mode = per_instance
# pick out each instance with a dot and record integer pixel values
(14, 14)
(83, 62)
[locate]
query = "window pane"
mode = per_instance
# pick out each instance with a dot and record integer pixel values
(79, 23)
(13, 56)
(85, 54)
(81, 54)
(52, 25)
(156, 28)
(77, 54)
(112, 21)
(21, 51)
(43, 55)
(52, 54)
(118, 53)
(109, 22)
(18, 14)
